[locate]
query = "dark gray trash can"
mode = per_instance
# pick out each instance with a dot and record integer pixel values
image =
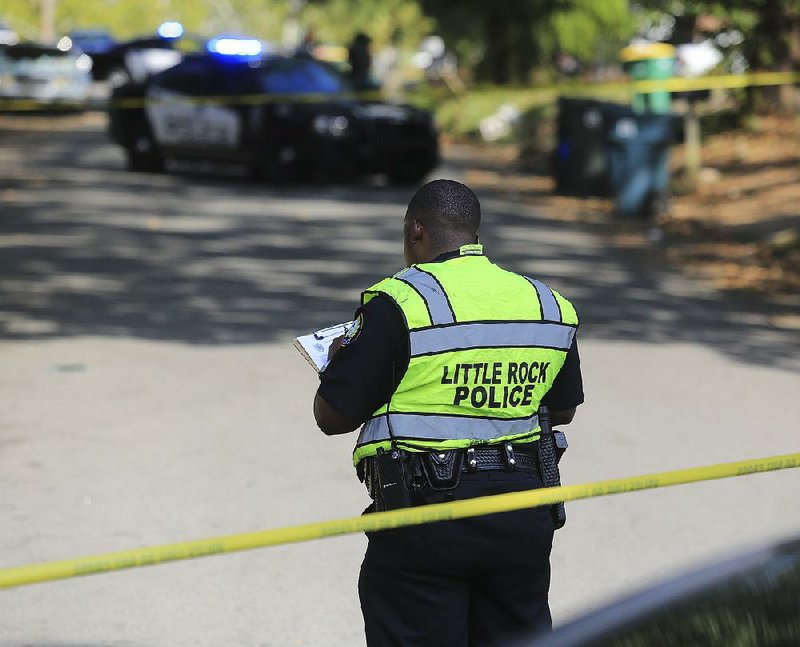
(580, 164)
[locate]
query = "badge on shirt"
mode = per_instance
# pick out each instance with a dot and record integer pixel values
(354, 330)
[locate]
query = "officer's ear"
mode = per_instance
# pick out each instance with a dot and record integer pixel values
(416, 230)
(413, 237)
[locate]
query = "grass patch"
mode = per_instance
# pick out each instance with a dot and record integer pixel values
(459, 115)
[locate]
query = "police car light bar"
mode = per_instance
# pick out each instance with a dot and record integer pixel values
(170, 29)
(235, 46)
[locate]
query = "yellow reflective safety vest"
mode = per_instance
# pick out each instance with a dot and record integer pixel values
(485, 346)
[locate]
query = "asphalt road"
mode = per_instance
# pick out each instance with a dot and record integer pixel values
(149, 394)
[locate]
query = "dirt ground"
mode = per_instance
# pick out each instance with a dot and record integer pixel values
(740, 229)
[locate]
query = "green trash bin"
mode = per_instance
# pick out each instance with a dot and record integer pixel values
(650, 62)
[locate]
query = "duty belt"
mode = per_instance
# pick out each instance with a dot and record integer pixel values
(401, 479)
(480, 458)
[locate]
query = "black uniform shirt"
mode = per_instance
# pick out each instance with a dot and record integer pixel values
(369, 366)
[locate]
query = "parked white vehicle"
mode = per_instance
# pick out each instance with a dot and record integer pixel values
(44, 73)
(7, 35)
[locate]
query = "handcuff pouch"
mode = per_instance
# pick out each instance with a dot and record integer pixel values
(443, 469)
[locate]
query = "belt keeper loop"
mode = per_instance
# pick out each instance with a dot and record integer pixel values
(472, 462)
(511, 462)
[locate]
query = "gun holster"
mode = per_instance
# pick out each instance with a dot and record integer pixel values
(552, 445)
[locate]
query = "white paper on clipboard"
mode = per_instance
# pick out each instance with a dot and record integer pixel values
(315, 346)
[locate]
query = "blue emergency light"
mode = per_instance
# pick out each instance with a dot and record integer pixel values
(235, 47)
(170, 29)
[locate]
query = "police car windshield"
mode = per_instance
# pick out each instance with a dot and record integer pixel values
(301, 77)
(92, 42)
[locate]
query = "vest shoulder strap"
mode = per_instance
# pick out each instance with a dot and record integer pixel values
(410, 301)
(554, 307)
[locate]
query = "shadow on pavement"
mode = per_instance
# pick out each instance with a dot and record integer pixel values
(87, 248)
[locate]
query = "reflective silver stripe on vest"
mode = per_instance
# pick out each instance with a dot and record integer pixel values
(490, 335)
(410, 426)
(432, 292)
(550, 309)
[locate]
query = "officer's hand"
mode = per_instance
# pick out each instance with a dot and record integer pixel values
(336, 344)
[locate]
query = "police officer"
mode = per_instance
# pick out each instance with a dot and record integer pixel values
(360, 60)
(446, 367)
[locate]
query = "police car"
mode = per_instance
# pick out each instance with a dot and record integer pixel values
(282, 117)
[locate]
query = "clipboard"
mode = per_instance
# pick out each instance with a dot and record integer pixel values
(314, 347)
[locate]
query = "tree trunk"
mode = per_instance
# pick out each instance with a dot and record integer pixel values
(47, 29)
(692, 147)
(776, 29)
(498, 47)
(790, 97)
(525, 49)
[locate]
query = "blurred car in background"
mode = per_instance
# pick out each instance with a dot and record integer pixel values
(283, 117)
(749, 600)
(7, 35)
(44, 74)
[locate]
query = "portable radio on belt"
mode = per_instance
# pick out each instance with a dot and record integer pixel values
(393, 490)
(393, 493)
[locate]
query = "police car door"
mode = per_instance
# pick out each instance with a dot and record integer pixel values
(185, 116)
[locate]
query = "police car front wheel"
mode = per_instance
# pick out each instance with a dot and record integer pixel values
(144, 156)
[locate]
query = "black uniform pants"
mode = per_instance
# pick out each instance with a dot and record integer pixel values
(468, 582)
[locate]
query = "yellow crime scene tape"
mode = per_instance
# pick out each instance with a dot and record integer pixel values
(26, 105)
(676, 84)
(49, 571)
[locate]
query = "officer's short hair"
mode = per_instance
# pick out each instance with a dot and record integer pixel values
(446, 206)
